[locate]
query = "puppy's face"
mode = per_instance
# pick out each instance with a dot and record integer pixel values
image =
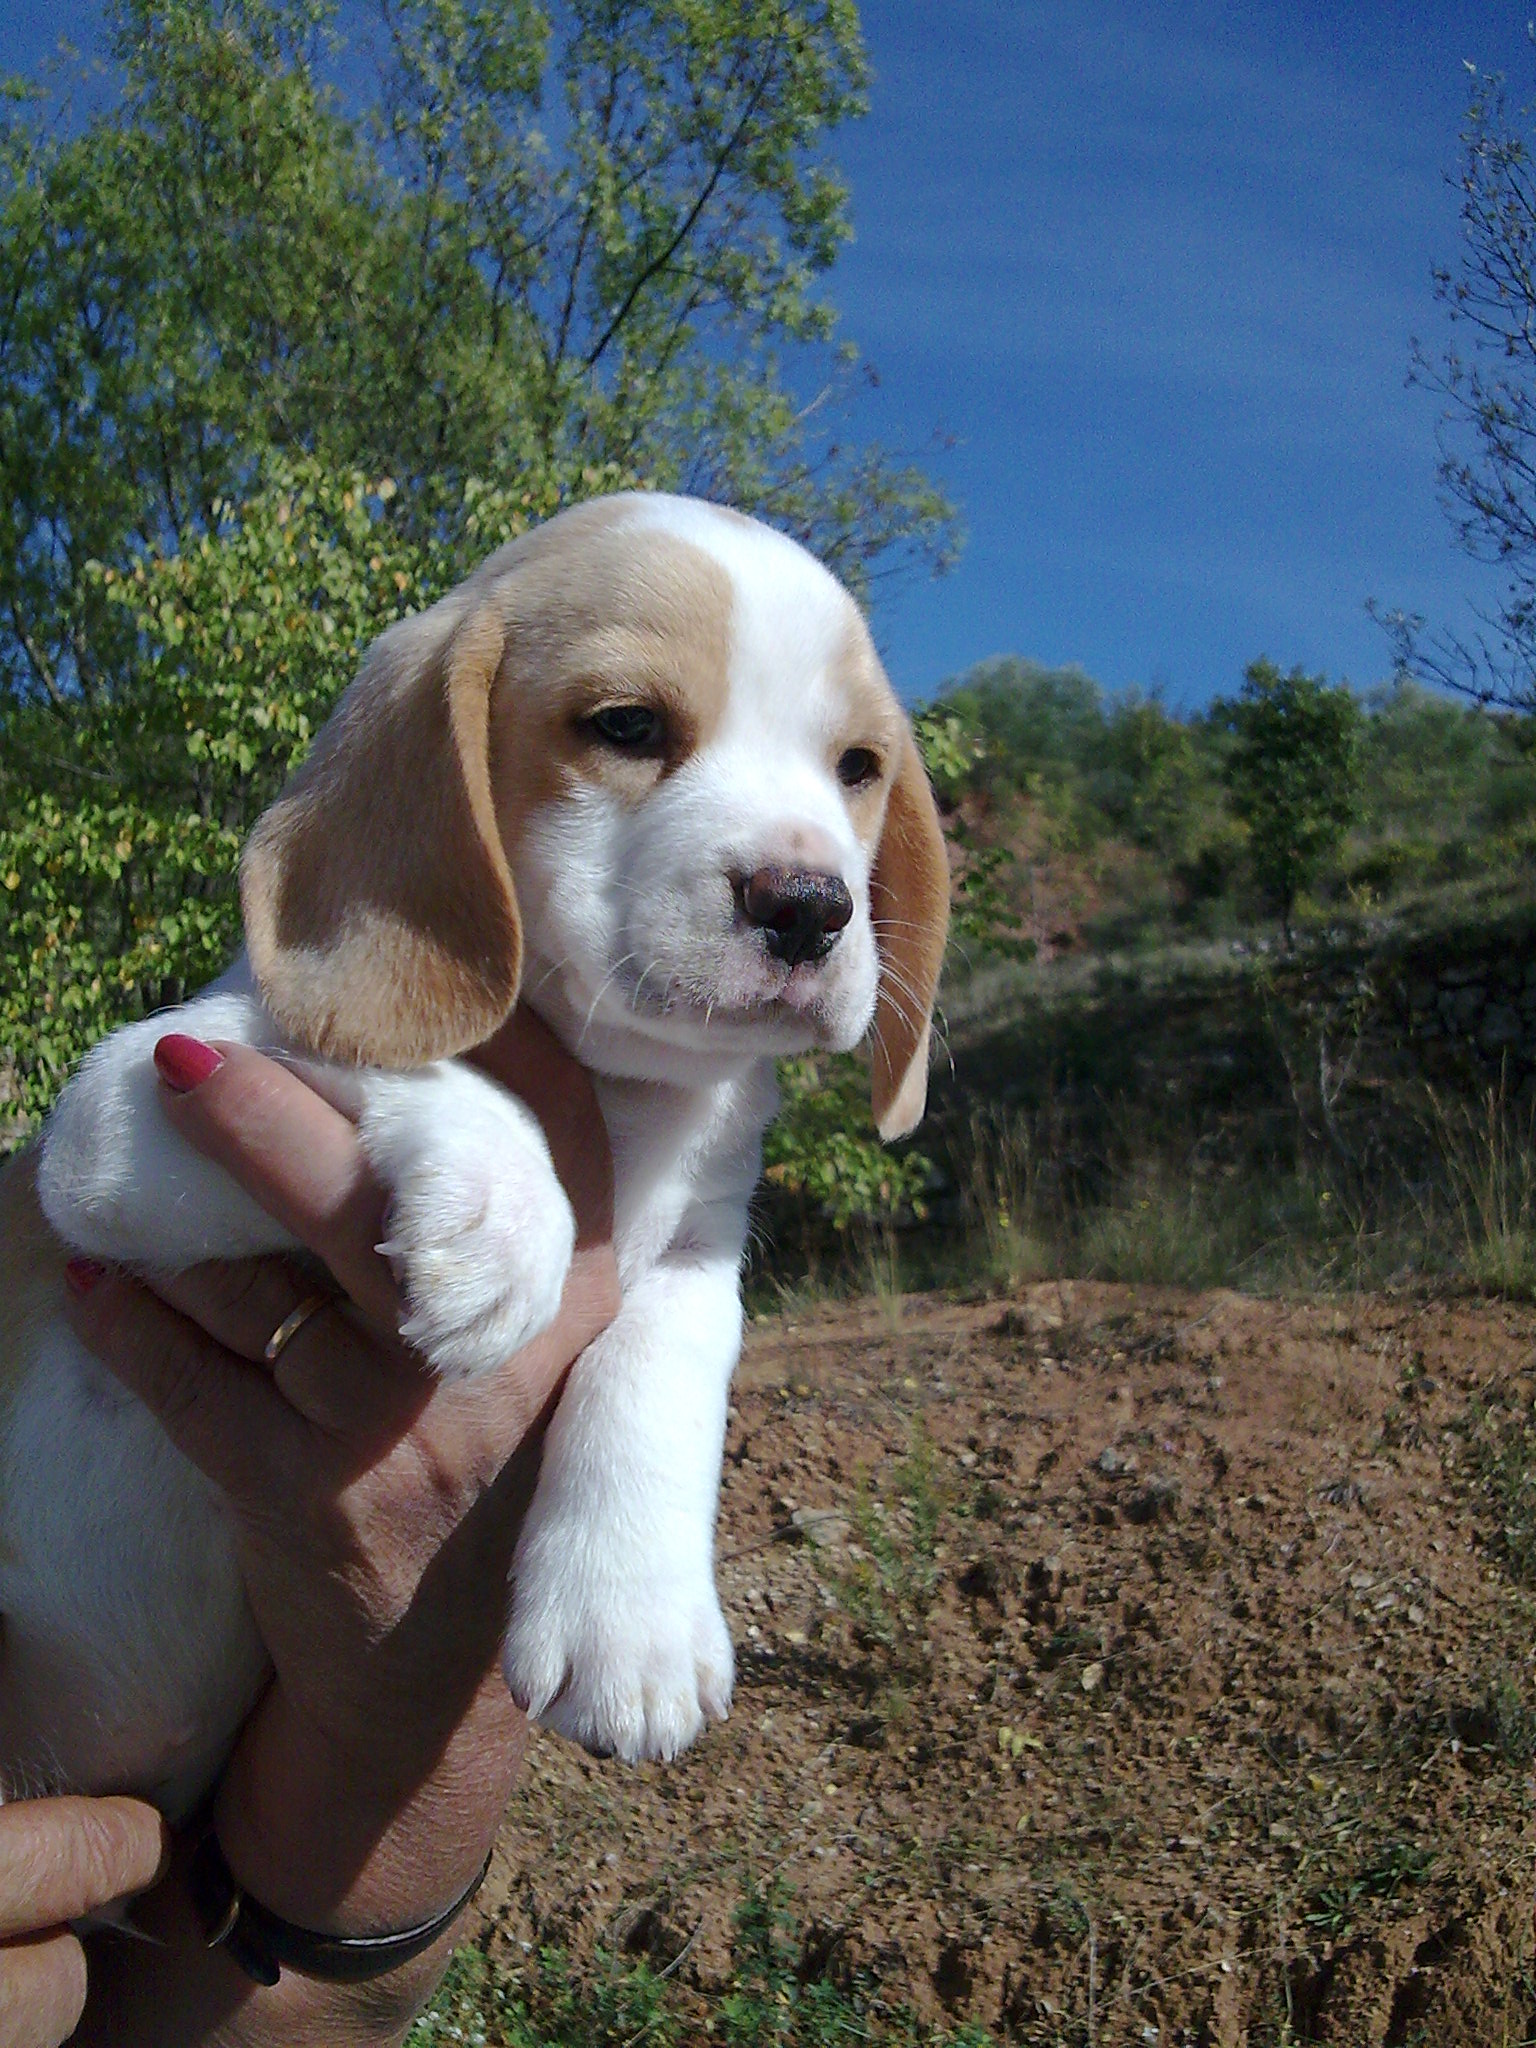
(691, 751)
(648, 746)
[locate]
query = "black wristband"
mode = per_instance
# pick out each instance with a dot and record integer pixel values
(263, 1944)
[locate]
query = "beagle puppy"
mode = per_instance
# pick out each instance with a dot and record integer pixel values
(644, 769)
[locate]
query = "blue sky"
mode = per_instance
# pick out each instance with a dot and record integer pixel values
(1155, 269)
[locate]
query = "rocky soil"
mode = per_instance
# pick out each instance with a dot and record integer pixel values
(1114, 1666)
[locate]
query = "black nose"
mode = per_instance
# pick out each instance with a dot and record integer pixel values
(799, 913)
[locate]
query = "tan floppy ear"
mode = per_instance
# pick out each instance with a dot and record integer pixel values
(380, 916)
(909, 903)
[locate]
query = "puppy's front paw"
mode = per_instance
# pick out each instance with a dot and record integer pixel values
(480, 1233)
(607, 1647)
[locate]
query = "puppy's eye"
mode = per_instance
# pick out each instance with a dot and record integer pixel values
(635, 728)
(858, 766)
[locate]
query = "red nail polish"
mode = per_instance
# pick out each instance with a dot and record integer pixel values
(81, 1275)
(183, 1062)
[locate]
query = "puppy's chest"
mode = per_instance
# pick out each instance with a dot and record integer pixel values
(685, 1162)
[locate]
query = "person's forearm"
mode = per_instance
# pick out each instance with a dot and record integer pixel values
(184, 1992)
(283, 1847)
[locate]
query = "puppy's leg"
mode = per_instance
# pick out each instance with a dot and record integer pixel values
(478, 1229)
(616, 1637)
(118, 1181)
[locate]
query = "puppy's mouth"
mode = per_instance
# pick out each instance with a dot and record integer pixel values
(763, 991)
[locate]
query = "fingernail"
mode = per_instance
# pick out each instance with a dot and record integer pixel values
(183, 1062)
(81, 1275)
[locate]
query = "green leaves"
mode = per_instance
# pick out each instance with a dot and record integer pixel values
(1292, 774)
(122, 814)
(560, 241)
(823, 1149)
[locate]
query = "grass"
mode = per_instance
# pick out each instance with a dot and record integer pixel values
(1333, 1908)
(773, 2000)
(1487, 1149)
(1009, 1243)
(887, 1592)
(1498, 1454)
(1197, 1120)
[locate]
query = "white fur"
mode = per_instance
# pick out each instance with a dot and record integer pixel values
(479, 1230)
(115, 1552)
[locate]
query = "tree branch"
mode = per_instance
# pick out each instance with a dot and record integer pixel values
(660, 262)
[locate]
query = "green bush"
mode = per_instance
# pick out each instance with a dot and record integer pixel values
(823, 1151)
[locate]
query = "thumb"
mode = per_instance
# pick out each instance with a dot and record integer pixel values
(62, 1858)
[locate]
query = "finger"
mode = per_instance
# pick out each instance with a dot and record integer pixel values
(301, 1160)
(63, 1857)
(42, 1990)
(223, 1413)
(525, 1056)
(333, 1372)
(250, 1306)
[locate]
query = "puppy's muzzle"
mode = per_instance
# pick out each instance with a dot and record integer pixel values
(798, 911)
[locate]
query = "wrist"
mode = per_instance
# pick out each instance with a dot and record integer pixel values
(337, 1842)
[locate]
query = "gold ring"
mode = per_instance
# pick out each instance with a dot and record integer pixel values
(291, 1325)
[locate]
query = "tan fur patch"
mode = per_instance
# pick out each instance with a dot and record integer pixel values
(379, 909)
(871, 718)
(908, 901)
(636, 617)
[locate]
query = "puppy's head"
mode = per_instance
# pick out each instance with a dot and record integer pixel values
(647, 750)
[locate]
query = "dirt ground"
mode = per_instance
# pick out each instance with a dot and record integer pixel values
(1114, 1666)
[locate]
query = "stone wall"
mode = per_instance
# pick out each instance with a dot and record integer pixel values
(1459, 1004)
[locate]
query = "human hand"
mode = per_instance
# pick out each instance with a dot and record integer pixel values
(375, 1507)
(60, 1859)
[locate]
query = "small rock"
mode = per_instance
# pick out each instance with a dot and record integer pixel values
(1114, 1462)
(1027, 1319)
(822, 1528)
(1501, 1026)
(1465, 1007)
(1093, 1677)
(1149, 1502)
(1046, 1576)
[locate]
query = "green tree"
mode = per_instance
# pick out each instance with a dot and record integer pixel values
(274, 370)
(1156, 784)
(1292, 773)
(1042, 724)
(557, 241)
